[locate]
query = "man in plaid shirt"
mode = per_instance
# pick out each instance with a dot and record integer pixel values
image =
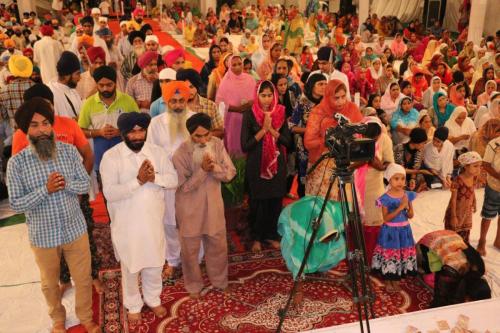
(44, 181)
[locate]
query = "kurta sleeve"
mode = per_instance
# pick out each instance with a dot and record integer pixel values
(188, 180)
(285, 137)
(248, 141)
(313, 140)
(113, 189)
(447, 159)
(224, 169)
(166, 176)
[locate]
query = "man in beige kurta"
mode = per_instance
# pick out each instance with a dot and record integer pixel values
(202, 163)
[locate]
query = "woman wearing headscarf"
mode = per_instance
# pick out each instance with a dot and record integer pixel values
(448, 56)
(263, 52)
(430, 51)
(362, 85)
(432, 65)
(314, 90)
(493, 111)
(215, 78)
(390, 100)
(236, 91)
(489, 88)
(267, 66)
(398, 47)
(320, 119)
(425, 122)
(461, 129)
(438, 158)
(375, 71)
(457, 94)
(435, 87)
(403, 120)
(489, 131)
(441, 109)
(468, 51)
(265, 137)
(214, 55)
(479, 87)
(419, 84)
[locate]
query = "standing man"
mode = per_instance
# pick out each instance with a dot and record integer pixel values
(46, 53)
(168, 130)
(140, 86)
(326, 65)
(100, 113)
(67, 101)
(202, 163)
(46, 189)
(87, 23)
(137, 49)
(134, 175)
(87, 86)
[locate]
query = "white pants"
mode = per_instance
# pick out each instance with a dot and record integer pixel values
(173, 252)
(151, 288)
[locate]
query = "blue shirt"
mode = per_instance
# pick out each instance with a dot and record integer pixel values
(393, 203)
(52, 219)
(157, 107)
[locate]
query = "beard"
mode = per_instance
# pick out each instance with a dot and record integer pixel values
(44, 146)
(109, 44)
(139, 51)
(176, 120)
(134, 145)
(72, 84)
(199, 152)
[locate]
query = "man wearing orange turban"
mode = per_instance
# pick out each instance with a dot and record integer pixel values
(10, 45)
(168, 130)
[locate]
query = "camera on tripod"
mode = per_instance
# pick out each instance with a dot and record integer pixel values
(343, 144)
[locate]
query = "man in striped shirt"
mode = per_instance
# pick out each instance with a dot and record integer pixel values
(44, 181)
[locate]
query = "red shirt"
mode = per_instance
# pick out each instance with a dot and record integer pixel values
(65, 129)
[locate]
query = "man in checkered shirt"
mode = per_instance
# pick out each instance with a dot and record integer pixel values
(44, 181)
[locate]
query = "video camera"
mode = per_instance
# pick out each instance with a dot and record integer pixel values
(343, 144)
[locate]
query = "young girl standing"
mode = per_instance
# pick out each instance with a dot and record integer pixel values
(395, 255)
(458, 216)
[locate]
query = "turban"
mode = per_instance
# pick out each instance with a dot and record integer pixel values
(128, 120)
(172, 56)
(469, 158)
(9, 43)
(441, 133)
(122, 23)
(192, 76)
(138, 12)
(136, 34)
(46, 30)
(96, 52)
(393, 169)
(26, 111)
(198, 119)
(39, 90)
(104, 32)
(86, 41)
(418, 135)
(152, 38)
(146, 27)
(95, 11)
(20, 66)
(102, 19)
(68, 63)
(86, 19)
(104, 72)
(174, 87)
(326, 53)
(146, 58)
(27, 51)
(167, 74)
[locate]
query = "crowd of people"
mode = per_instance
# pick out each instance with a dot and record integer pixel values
(81, 105)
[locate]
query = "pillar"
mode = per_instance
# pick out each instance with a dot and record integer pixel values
(205, 4)
(363, 11)
(26, 6)
(302, 5)
(476, 20)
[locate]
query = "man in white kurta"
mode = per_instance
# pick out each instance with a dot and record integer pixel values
(168, 130)
(46, 53)
(135, 175)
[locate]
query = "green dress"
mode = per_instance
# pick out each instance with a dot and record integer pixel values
(295, 228)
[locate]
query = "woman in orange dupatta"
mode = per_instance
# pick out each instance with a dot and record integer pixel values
(320, 119)
(217, 75)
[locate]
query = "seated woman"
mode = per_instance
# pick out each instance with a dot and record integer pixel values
(403, 121)
(435, 87)
(410, 156)
(438, 158)
(200, 38)
(461, 129)
(425, 122)
(441, 109)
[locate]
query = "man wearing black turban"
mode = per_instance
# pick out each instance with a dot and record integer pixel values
(198, 103)
(136, 39)
(202, 163)
(105, 79)
(135, 175)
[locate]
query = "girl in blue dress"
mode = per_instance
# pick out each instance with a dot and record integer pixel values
(395, 255)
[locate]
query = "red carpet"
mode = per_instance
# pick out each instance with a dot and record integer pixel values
(260, 286)
(165, 39)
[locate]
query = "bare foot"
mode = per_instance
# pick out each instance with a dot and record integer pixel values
(64, 286)
(228, 290)
(58, 327)
(194, 295)
(389, 287)
(396, 286)
(134, 318)
(274, 244)
(98, 286)
(481, 248)
(92, 327)
(256, 247)
(169, 272)
(160, 311)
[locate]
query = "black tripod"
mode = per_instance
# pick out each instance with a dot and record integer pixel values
(362, 291)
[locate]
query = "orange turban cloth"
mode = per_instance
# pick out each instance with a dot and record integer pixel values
(86, 41)
(168, 90)
(9, 43)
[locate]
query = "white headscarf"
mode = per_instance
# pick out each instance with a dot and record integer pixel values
(386, 102)
(455, 129)
(376, 74)
(393, 169)
(469, 158)
(429, 93)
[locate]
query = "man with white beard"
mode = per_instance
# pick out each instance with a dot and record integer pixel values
(136, 39)
(202, 163)
(168, 130)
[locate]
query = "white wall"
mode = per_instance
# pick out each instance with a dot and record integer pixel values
(491, 23)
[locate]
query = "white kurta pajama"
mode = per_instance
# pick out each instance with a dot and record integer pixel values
(159, 134)
(136, 214)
